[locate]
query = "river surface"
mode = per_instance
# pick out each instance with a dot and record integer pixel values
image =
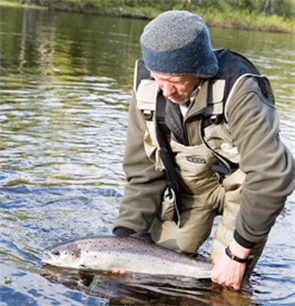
(65, 83)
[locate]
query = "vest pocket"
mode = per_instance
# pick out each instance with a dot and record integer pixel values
(194, 164)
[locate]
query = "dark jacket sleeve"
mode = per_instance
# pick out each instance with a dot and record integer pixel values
(266, 161)
(145, 184)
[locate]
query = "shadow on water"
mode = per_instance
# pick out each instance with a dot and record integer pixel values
(140, 289)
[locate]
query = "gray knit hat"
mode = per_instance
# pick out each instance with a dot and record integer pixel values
(177, 42)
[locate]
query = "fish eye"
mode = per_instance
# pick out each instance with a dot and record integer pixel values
(56, 252)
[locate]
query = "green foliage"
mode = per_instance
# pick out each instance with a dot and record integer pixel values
(273, 15)
(284, 8)
(246, 5)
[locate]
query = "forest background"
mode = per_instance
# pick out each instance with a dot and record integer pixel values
(261, 15)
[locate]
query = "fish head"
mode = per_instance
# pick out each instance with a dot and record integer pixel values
(62, 255)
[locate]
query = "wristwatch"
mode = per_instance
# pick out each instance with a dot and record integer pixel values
(233, 257)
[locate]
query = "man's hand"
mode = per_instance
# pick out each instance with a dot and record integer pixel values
(114, 271)
(227, 271)
(117, 271)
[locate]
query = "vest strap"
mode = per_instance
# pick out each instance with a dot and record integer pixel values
(167, 157)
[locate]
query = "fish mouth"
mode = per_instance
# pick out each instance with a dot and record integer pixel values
(48, 257)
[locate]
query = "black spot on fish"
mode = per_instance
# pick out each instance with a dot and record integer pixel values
(76, 252)
(56, 252)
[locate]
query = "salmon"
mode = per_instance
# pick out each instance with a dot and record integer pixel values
(130, 254)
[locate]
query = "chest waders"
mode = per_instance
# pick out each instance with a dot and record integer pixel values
(204, 179)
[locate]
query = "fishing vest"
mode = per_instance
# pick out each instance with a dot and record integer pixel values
(217, 157)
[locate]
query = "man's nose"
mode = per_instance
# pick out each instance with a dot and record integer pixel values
(168, 90)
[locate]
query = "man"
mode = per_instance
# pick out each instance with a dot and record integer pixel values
(202, 141)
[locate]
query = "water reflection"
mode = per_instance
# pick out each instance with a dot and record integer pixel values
(64, 46)
(140, 289)
(65, 97)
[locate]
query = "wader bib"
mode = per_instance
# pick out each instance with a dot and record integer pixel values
(207, 189)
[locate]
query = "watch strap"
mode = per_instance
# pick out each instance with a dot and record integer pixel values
(233, 257)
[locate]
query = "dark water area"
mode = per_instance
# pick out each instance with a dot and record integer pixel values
(65, 85)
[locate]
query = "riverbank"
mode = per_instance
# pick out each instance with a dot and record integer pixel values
(222, 16)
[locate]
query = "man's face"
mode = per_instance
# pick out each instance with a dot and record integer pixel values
(177, 88)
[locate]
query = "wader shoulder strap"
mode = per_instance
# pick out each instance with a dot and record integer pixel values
(140, 73)
(163, 134)
(167, 157)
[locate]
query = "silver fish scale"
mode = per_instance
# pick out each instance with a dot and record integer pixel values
(128, 254)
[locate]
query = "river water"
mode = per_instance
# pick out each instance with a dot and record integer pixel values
(65, 82)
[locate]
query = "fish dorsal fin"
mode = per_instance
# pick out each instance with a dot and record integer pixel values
(144, 236)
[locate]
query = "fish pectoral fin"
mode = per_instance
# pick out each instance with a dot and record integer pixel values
(144, 236)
